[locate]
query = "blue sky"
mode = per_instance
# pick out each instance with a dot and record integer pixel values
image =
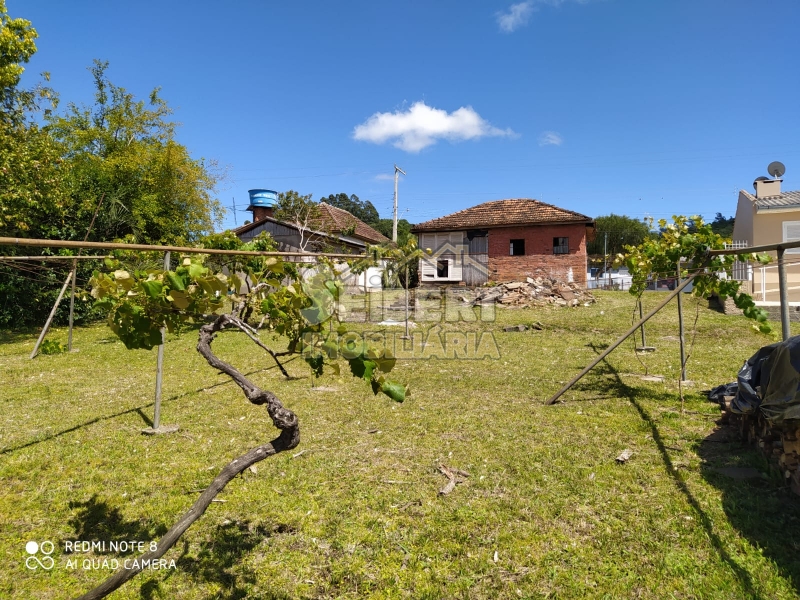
(626, 106)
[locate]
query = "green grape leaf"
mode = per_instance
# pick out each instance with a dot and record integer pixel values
(175, 281)
(360, 367)
(152, 288)
(395, 391)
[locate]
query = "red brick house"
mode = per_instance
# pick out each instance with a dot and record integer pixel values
(505, 240)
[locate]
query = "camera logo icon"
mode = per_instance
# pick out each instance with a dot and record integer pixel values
(33, 561)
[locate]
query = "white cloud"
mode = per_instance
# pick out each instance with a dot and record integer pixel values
(422, 126)
(383, 177)
(518, 15)
(550, 138)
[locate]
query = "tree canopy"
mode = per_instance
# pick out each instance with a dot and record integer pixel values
(361, 209)
(620, 230)
(119, 157)
(722, 226)
(125, 150)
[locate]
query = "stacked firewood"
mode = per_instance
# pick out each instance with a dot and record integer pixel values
(780, 444)
(534, 292)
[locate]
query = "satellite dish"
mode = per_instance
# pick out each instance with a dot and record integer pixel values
(776, 169)
(762, 178)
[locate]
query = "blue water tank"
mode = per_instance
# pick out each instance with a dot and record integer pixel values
(265, 198)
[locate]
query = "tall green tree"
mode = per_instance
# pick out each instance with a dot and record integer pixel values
(361, 209)
(30, 172)
(121, 150)
(722, 226)
(124, 150)
(614, 232)
(385, 226)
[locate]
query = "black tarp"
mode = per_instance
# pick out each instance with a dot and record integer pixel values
(770, 381)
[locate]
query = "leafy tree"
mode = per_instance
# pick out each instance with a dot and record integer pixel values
(621, 231)
(124, 150)
(361, 209)
(722, 226)
(385, 226)
(17, 45)
(31, 174)
(120, 154)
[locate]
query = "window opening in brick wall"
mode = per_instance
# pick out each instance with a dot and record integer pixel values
(517, 247)
(560, 245)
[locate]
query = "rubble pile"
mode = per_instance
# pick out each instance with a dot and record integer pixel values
(541, 291)
(779, 445)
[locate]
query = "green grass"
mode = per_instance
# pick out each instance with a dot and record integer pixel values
(358, 514)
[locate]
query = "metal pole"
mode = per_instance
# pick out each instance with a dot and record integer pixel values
(394, 219)
(72, 304)
(680, 326)
(605, 259)
(784, 293)
(406, 336)
(394, 222)
(37, 243)
(644, 340)
(160, 364)
(624, 337)
(52, 314)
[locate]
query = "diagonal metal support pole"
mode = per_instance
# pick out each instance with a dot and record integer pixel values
(625, 336)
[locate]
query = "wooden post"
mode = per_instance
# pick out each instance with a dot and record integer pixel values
(52, 314)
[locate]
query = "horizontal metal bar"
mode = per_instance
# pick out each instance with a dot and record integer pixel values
(46, 258)
(6, 241)
(765, 248)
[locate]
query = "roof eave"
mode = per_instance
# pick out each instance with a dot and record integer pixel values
(502, 226)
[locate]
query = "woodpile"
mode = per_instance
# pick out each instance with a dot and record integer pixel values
(780, 444)
(541, 291)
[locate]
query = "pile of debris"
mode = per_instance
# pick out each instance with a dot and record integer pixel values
(541, 291)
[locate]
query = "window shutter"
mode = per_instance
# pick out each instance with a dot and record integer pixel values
(428, 270)
(791, 233)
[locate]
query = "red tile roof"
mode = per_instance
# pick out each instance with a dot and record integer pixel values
(503, 213)
(337, 220)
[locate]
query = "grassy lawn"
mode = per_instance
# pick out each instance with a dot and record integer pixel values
(546, 512)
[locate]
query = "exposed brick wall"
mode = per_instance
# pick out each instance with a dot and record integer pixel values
(259, 212)
(538, 259)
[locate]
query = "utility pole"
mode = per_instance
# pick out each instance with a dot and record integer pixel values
(394, 223)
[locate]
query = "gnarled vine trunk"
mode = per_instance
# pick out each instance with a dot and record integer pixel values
(283, 418)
